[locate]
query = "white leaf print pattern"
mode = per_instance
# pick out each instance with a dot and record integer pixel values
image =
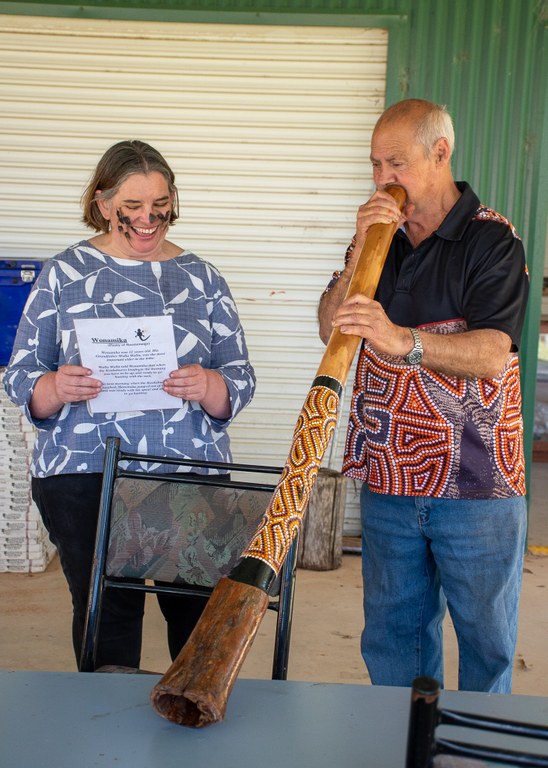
(20, 355)
(187, 344)
(179, 414)
(69, 270)
(142, 448)
(125, 297)
(92, 252)
(122, 433)
(90, 285)
(82, 429)
(52, 278)
(46, 313)
(65, 462)
(197, 282)
(240, 341)
(183, 296)
(221, 329)
(156, 268)
(80, 307)
(228, 305)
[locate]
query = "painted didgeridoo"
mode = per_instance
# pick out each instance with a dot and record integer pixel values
(195, 689)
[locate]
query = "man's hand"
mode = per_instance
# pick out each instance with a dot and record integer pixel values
(381, 208)
(361, 316)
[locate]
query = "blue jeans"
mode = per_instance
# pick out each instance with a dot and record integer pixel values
(422, 555)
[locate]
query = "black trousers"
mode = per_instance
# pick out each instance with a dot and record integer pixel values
(69, 507)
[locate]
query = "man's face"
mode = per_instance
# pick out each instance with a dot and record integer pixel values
(397, 158)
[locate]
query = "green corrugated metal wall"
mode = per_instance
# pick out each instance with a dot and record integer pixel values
(485, 59)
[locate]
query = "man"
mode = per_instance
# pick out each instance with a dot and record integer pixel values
(435, 430)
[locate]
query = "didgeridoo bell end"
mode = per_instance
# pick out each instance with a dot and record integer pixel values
(195, 689)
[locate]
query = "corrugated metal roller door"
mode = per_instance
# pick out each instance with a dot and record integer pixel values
(267, 129)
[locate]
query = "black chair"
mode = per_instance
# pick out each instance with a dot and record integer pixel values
(425, 749)
(178, 534)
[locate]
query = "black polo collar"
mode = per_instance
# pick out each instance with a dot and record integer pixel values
(458, 218)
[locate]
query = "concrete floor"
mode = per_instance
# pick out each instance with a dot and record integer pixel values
(538, 507)
(327, 622)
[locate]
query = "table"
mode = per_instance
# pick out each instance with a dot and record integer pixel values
(79, 720)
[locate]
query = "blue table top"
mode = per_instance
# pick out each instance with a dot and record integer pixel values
(75, 720)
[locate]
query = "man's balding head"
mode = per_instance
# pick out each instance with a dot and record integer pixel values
(430, 122)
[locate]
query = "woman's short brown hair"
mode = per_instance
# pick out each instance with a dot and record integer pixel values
(118, 163)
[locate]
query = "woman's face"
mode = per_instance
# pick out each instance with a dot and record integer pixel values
(139, 216)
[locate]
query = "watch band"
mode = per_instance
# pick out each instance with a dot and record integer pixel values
(415, 356)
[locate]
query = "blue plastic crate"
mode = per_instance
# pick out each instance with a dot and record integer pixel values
(16, 280)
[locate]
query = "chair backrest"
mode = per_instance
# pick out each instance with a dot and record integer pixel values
(180, 532)
(185, 530)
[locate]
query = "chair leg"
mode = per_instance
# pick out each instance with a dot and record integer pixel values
(285, 613)
(93, 612)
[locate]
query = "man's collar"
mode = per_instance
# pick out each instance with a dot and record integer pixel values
(458, 218)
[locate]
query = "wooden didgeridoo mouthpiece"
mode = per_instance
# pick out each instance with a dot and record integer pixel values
(195, 689)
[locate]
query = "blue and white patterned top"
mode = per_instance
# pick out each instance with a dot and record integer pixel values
(83, 282)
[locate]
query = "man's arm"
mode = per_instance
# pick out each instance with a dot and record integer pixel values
(478, 353)
(330, 302)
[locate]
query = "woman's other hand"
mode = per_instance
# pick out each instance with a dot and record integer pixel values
(201, 385)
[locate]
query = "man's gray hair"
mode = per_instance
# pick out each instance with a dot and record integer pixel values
(432, 121)
(436, 124)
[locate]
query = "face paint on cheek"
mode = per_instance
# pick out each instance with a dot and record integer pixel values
(164, 217)
(125, 222)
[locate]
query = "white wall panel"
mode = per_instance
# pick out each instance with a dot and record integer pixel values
(267, 129)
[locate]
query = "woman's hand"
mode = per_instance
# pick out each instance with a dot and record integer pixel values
(73, 383)
(202, 385)
(69, 384)
(190, 382)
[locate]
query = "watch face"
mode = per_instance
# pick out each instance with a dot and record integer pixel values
(414, 357)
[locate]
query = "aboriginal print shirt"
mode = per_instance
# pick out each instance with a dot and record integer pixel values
(83, 282)
(415, 432)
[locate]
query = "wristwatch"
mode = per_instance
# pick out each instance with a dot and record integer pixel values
(415, 356)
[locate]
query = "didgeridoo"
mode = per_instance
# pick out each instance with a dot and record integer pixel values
(195, 689)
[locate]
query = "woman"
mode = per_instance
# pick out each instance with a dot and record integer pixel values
(129, 269)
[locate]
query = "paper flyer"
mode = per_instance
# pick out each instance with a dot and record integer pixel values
(131, 356)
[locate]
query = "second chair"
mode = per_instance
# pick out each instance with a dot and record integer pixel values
(179, 533)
